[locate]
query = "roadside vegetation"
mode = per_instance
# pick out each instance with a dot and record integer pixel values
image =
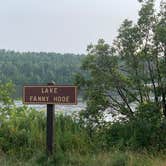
(23, 134)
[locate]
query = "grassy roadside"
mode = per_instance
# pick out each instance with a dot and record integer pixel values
(22, 143)
(102, 159)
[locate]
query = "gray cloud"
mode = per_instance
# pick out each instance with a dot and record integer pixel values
(61, 25)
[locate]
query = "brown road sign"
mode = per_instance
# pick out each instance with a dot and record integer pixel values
(50, 94)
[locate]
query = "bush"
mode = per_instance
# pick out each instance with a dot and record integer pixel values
(119, 159)
(145, 131)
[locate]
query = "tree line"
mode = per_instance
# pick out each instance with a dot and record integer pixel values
(37, 68)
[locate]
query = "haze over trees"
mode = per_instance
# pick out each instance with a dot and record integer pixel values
(37, 68)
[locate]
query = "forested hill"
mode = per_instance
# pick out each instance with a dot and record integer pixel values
(37, 68)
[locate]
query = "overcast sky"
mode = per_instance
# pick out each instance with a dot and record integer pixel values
(61, 25)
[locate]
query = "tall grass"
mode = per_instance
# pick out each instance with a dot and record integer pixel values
(23, 136)
(76, 159)
(23, 139)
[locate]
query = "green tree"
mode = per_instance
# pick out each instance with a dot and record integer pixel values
(131, 71)
(37, 68)
(6, 91)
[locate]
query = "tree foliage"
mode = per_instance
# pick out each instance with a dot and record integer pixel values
(132, 70)
(37, 68)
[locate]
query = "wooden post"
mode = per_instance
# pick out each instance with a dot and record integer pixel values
(50, 128)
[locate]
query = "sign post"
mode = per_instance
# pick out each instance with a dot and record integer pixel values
(50, 95)
(50, 128)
